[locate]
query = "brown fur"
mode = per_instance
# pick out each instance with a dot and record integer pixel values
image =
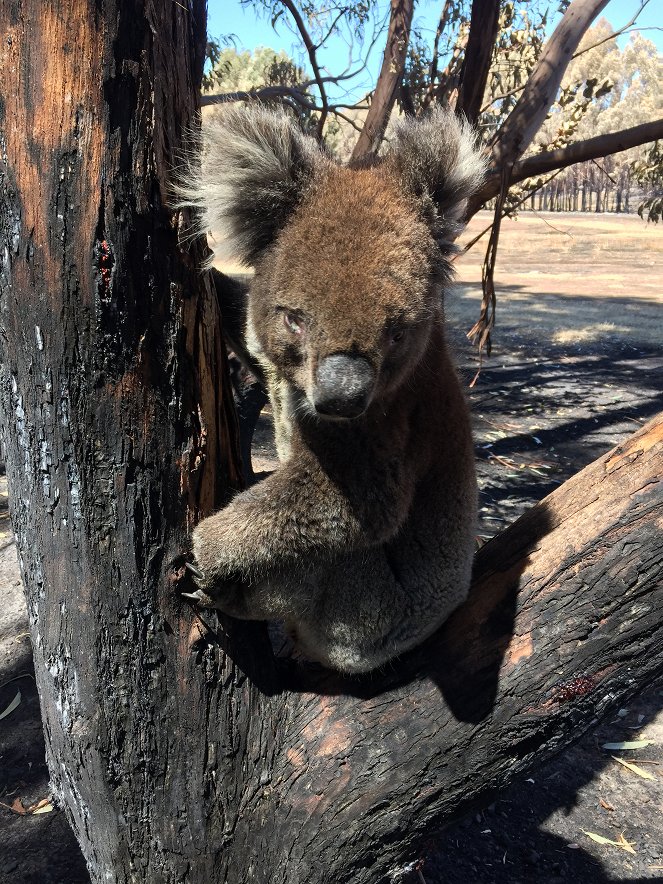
(362, 539)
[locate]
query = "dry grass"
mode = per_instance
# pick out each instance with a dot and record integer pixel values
(572, 278)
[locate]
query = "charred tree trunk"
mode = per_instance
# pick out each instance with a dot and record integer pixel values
(182, 750)
(117, 420)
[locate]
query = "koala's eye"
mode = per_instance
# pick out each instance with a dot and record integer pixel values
(396, 335)
(293, 323)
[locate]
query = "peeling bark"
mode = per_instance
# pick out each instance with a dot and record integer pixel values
(182, 750)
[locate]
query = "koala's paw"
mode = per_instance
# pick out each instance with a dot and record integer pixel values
(213, 570)
(209, 593)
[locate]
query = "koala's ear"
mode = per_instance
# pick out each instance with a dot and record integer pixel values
(437, 160)
(255, 167)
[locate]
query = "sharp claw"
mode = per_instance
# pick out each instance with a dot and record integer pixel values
(195, 571)
(200, 598)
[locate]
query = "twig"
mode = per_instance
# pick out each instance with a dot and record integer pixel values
(605, 172)
(324, 39)
(432, 72)
(479, 334)
(552, 226)
(511, 208)
(311, 50)
(347, 119)
(615, 33)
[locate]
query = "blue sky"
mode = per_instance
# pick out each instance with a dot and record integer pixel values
(252, 28)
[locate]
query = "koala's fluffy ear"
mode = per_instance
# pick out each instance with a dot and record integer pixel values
(255, 167)
(437, 160)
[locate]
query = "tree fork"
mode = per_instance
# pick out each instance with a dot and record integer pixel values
(184, 753)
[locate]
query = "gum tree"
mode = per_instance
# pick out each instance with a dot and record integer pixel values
(180, 746)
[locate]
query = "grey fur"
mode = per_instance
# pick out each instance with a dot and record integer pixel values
(255, 166)
(437, 160)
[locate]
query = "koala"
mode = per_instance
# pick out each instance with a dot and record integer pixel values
(362, 539)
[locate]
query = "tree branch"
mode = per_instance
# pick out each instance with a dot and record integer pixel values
(524, 121)
(389, 80)
(292, 93)
(562, 624)
(484, 24)
(311, 50)
(332, 26)
(580, 152)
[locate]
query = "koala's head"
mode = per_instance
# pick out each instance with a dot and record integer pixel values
(349, 262)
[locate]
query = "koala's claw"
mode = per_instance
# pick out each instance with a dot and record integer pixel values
(200, 598)
(195, 571)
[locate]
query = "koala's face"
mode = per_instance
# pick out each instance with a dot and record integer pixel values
(348, 262)
(343, 301)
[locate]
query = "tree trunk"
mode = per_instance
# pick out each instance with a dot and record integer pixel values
(516, 134)
(182, 750)
(484, 25)
(117, 420)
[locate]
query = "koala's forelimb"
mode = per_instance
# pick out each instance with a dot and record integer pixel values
(299, 511)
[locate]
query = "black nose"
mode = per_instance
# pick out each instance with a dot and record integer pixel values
(343, 385)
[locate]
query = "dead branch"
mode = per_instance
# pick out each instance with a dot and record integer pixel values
(484, 25)
(389, 80)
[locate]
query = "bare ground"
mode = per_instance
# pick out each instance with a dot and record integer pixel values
(577, 365)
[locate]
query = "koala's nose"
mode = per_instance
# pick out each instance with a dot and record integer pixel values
(343, 385)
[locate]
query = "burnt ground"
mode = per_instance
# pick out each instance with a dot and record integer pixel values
(576, 367)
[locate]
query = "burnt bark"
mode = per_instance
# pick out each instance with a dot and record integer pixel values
(117, 420)
(181, 748)
(484, 25)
